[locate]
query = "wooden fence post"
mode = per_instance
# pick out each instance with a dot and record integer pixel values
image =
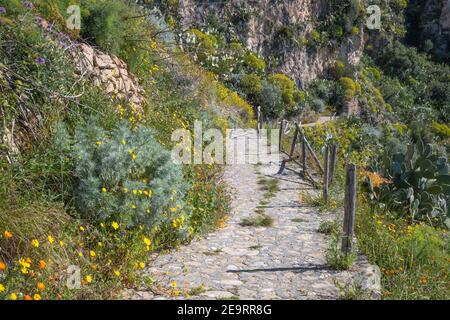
(304, 154)
(280, 135)
(260, 120)
(325, 174)
(349, 207)
(291, 154)
(333, 160)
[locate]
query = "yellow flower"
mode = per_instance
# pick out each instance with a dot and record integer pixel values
(130, 151)
(50, 239)
(98, 143)
(82, 228)
(40, 286)
(141, 265)
(173, 284)
(42, 264)
(8, 234)
(125, 190)
(135, 192)
(2, 288)
(37, 297)
(104, 190)
(147, 241)
(173, 209)
(25, 263)
(115, 225)
(124, 142)
(100, 244)
(92, 254)
(133, 206)
(133, 156)
(13, 296)
(24, 270)
(88, 278)
(117, 273)
(61, 243)
(35, 243)
(80, 254)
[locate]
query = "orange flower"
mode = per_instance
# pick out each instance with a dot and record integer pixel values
(8, 234)
(40, 286)
(42, 264)
(27, 297)
(2, 266)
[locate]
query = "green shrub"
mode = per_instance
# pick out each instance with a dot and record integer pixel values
(286, 85)
(349, 87)
(206, 45)
(254, 63)
(251, 84)
(441, 129)
(336, 258)
(125, 175)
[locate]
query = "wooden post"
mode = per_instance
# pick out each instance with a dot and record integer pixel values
(325, 174)
(291, 154)
(259, 120)
(333, 162)
(349, 207)
(313, 155)
(304, 154)
(280, 135)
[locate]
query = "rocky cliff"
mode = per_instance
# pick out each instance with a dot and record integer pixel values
(429, 23)
(285, 27)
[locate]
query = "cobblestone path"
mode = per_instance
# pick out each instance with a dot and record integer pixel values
(282, 261)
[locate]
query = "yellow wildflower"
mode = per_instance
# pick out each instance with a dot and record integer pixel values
(50, 239)
(37, 297)
(117, 273)
(92, 254)
(125, 190)
(8, 234)
(115, 225)
(147, 241)
(35, 243)
(82, 228)
(173, 284)
(2, 288)
(142, 265)
(89, 278)
(13, 296)
(61, 243)
(104, 190)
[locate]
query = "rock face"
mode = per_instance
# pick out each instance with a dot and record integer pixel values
(432, 19)
(258, 25)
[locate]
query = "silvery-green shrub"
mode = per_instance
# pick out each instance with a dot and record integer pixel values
(126, 175)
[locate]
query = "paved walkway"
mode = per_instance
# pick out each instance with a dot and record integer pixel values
(283, 261)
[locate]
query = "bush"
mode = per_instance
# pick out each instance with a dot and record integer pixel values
(251, 84)
(253, 63)
(318, 105)
(127, 176)
(271, 100)
(286, 85)
(442, 130)
(349, 87)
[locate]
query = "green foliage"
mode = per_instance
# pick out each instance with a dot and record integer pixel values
(336, 258)
(251, 84)
(253, 63)
(349, 87)
(441, 129)
(413, 258)
(329, 227)
(419, 184)
(286, 85)
(258, 220)
(127, 176)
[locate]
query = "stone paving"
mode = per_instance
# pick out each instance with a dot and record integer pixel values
(284, 261)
